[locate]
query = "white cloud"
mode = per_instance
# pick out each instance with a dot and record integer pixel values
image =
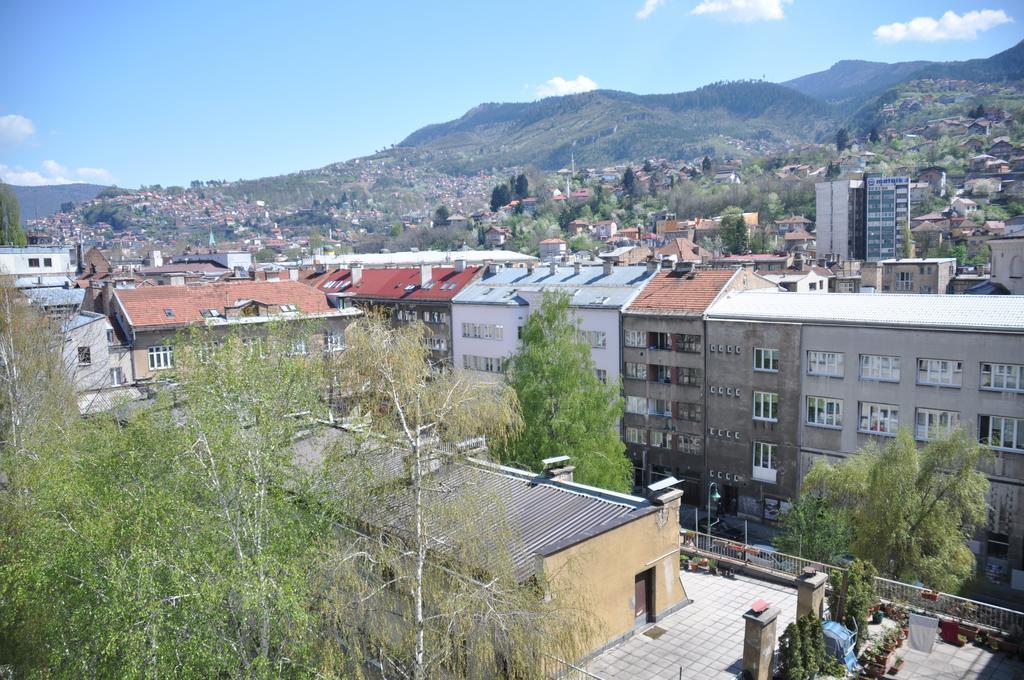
(950, 26)
(15, 129)
(54, 173)
(648, 8)
(558, 86)
(742, 10)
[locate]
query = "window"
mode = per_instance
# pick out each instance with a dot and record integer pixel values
(688, 411)
(825, 363)
(659, 341)
(116, 377)
(660, 439)
(688, 443)
(484, 331)
(904, 281)
(47, 261)
(636, 405)
(1005, 377)
(485, 364)
(405, 315)
(878, 367)
(438, 344)
(298, 347)
(824, 412)
(660, 407)
(766, 359)
(84, 356)
(33, 262)
(289, 308)
(939, 372)
(636, 339)
(765, 466)
(433, 317)
(688, 343)
(935, 424)
(689, 376)
(879, 418)
(634, 435)
(111, 339)
(1001, 432)
(596, 339)
(636, 371)
(160, 357)
(601, 374)
(334, 341)
(766, 406)
(661, 374)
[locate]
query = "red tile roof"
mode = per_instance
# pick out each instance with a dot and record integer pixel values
(145, 306)
(683, 249)
(396, 284)
(552, 240)
(671, 291)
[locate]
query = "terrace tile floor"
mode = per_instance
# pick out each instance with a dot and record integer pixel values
(705, 640)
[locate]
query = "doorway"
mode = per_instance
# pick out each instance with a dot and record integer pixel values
(643, 596)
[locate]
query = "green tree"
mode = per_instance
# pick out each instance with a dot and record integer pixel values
(791, 654)
(907, 237)
(11, 233)
(859, 598)
(912, 509)
(265, 255)
(812, 529)
(500, 196)
(705, 166)
(812, 642)
(566, 408)
(629, 182)
(842, 139)
(734, 230)
(522, 187)
(441, 216)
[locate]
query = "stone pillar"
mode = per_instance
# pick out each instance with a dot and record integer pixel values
(759, 640)
(810, 593)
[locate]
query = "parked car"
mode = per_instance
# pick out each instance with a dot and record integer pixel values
(767, 557)
(721, 528)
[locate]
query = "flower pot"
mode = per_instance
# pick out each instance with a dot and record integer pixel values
(896, 667)
(877, 617)
(968, 631)
(930, 595)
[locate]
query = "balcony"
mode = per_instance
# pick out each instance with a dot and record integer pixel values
(762, 474)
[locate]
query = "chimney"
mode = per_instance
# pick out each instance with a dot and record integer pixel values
(105, 295)
(293, 273)
(460, 266)
(176, 279)
(39, 280)
(683, 267)
(530, 266)
(653, 266)
(425, 274)
(553, 267)
(356, 274)
(607, 267)
(557, 468)
(577, 267)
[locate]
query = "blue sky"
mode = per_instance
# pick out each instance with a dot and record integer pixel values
(142, 93)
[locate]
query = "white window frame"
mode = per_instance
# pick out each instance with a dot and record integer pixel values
(84, 355)
(660, 439)
(636, 371)
(880, 367)
(1014, 427)
(766, 359)
(116, 377)
(940, 372)
(636, 339)
(334, 341)
(636, 405)
(160, 357)
(764, 463)
(885, 416)
(766, 406)
(601, 374)
(828, 412)
(824, 363)
(1002, 377)
(596, 339)
(652, 407)
(688, 443)
(636, 435)
(932, 423)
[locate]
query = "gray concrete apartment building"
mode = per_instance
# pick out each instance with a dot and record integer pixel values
(854, 369)
(664, 369)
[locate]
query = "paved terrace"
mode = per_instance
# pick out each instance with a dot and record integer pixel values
(705, 640)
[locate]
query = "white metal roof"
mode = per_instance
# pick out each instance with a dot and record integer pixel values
(954, 312)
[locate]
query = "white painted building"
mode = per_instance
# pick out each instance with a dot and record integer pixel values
(838, 215)
(487, 315)
(1008, 262)
(35, 261)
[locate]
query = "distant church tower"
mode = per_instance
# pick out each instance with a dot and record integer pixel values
(213, 241)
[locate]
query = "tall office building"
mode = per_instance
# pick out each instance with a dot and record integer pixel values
(887, 210)
(840, 218)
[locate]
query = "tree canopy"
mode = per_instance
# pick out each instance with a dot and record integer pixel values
(11, 233)
(911, 509)
(734, 230)
(567, 409)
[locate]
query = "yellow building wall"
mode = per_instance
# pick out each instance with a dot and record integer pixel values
(597, 575)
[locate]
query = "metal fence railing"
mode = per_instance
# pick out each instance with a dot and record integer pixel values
(951, 606)
(918, 598)
(559, 669)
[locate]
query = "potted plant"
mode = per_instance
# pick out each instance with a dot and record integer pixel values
(897, 665)
(704, 562)
(969, 631)
(961, 640)
(713, 566)
(995, 643)
(877, 616)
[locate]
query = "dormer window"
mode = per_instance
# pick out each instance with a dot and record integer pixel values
(289, 308)
(169, 313)
(210, 313)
